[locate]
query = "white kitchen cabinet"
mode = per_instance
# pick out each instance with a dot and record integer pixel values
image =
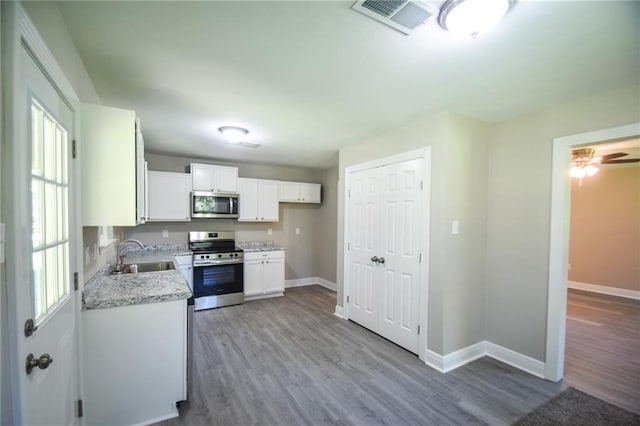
(263, 274)
(258, 200)
(134, 362)
(185, 264)
(298, 192)
(112, 160)
(168, 196)
(207, 177)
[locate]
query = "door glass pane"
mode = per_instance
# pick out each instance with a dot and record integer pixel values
(50, 212)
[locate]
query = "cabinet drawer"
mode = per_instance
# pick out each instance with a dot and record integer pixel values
(261, 255)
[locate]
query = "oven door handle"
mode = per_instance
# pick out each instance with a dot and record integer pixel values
(218, 263)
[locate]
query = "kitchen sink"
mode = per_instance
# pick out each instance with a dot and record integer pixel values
(132, 268)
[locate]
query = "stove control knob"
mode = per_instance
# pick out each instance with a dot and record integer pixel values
(230, 254)
(219, 255)
(236, 255)
(207, 256)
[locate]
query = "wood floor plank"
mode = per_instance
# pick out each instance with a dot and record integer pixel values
(602, 347)
(290, 361)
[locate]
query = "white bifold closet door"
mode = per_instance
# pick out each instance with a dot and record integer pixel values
(385, 212)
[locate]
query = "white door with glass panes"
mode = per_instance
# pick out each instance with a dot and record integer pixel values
(385, 219)
(41, 245)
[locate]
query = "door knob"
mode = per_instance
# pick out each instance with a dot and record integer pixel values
(375, 259)
(381, 260)
(43, 362)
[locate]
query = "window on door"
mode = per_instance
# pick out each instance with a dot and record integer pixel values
(50, 212)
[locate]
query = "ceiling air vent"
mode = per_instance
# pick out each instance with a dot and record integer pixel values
(403, 15)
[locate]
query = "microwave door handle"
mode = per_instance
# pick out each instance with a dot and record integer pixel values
(230, 205)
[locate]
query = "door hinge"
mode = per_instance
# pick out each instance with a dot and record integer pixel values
(418, 329)
(421, 183)
(420, 258)
(348, 246)
(74, 150)
(347, 299)
(349, 193)
(80, 408)
(75, 281)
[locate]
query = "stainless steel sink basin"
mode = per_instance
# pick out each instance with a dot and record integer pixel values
(132, 268)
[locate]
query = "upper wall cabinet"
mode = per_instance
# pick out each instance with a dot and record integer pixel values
(206, 177)
(112, 158)
(298, 192)
(258, 200)
(168, 196)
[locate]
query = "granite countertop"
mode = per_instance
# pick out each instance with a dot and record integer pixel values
(254, 246)
(110, 291)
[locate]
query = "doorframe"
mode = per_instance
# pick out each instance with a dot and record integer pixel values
(423, 292)
(559, 238)
(19, 30)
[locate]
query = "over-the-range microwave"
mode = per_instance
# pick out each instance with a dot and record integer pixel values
(214, 205)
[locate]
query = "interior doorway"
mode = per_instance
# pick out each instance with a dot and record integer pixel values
(603, 314)
(559, 238)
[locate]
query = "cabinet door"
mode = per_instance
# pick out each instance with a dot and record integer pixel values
(226, 179)
(253, 277)
(109, 166)
(288, 191)
(141, 176)
(202, 177)
(310, 192)
(187, 273)
(268, 201)
(274, 275)
(168, 196)
(248, 200)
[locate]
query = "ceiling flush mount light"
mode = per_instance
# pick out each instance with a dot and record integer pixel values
(234, 134)
(472, 18)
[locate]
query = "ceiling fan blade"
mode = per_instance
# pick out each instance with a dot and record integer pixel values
(608, 157)
(628, 160)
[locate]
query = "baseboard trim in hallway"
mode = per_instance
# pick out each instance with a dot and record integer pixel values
(602, 289)
(301, 282)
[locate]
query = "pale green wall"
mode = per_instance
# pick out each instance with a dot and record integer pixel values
(519, 212)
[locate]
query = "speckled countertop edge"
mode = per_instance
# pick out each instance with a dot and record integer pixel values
(110, 291)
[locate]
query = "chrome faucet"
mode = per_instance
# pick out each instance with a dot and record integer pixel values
(119, 257)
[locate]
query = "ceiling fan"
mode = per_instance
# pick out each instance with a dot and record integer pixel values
(583, 161)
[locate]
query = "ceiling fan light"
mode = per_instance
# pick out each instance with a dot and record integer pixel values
(472, 18)
(590, 170)
(234, 134)
(577, 172)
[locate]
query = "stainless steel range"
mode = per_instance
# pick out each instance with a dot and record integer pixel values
(218, 278)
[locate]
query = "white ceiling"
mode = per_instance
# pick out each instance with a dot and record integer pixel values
(307, 78)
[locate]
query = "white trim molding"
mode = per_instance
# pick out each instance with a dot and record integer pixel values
(559, 239)
(301, 282)
(603, 289)
(515, 359)
(339, 312)
(456, 359)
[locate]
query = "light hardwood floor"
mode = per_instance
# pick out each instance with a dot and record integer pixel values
(602, 350)
(290, 361)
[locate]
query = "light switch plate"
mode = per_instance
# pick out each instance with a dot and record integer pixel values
(269, 231)
(455, 227)
(297, 231)
(165, 233)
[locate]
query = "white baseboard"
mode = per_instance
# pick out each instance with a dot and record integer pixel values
(464, 356)
(339, 312)
(603, 289)
(300, 282)
(456, 359)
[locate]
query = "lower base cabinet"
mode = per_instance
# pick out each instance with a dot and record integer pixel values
(263, 274)
(134, 363)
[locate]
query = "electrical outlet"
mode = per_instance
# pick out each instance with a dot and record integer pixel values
(165, 233)
(297, 231)
(269, 231)
(455, 228)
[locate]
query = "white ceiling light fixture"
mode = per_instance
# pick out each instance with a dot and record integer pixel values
(234, 134)
(472, 18)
